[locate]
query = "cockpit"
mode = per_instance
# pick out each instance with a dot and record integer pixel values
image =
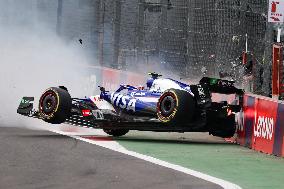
(160, 85)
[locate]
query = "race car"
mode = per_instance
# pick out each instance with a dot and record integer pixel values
(164, 105)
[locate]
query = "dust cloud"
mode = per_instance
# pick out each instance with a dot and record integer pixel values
(33, 58)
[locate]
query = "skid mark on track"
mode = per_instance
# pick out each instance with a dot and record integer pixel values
(115, 146)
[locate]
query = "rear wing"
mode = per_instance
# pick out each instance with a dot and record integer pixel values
(220, 86)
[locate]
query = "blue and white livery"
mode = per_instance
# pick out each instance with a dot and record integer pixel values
(163, 105)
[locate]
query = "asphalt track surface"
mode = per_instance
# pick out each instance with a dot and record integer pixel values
(42, 159)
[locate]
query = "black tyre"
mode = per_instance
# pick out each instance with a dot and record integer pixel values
(225, 127)
(116, 132)
(55, 105)
(176, 106)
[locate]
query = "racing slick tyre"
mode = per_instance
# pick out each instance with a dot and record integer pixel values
(116, 132)
(225, 127)
(175, 106)
(55, 105)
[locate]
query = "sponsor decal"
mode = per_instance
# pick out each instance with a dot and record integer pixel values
(138, 93)
(263, 127)
(25, 101)
(97, 98)
(122, 101)
(101, 103)
(86, 113)
(98, 114)
(200, 90)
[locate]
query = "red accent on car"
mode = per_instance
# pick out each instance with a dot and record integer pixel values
(86, 113)
(229, 111)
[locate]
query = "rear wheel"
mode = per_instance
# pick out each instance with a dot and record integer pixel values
(55, 105)
(223, 127)
(175, 106)
(116, 132)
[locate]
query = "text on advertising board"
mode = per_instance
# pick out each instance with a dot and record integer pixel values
(263, 127)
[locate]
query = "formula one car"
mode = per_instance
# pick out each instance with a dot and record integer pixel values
(165, 105)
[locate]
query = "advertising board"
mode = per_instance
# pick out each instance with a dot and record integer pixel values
(264, 125)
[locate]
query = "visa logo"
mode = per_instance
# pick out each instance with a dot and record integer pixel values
(123, 102)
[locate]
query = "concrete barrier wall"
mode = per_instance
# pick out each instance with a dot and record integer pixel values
(261, 125)
(111, 78)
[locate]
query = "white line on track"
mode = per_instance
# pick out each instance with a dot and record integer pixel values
(112, 145)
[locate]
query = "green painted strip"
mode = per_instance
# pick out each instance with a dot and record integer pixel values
(245, 167)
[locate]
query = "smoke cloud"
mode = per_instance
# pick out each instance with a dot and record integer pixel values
(33, 58)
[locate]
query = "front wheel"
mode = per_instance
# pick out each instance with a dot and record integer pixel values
(55, 105)
(116, 132)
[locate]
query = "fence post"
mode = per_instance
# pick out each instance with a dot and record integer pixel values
(277, 70)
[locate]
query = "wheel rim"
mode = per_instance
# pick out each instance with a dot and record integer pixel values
(167, 104)
(48, 103)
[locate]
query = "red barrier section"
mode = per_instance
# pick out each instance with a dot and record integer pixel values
(260, 125)
(135, 79)
(110, 79)
(264, 126)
